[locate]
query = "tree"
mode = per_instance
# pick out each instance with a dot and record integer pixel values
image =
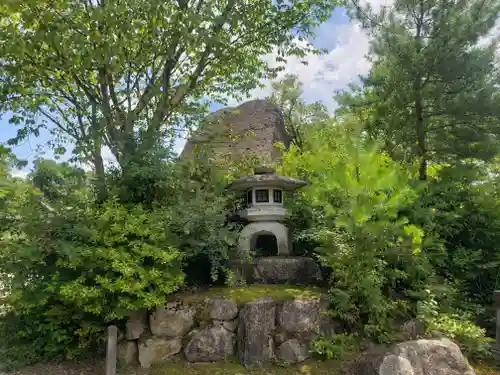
(60, 183)
(356, 192)
(430, 91)
(69, 266)
(126, 74)
(287, 94)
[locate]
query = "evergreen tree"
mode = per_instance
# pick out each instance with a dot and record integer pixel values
(431, 89)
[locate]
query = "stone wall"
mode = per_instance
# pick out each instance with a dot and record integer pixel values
(258, 333)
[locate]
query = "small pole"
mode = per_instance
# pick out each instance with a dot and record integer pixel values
(111, 350)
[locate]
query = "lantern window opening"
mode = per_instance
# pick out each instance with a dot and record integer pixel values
(277, 196)
(261, 196)
(250, 196)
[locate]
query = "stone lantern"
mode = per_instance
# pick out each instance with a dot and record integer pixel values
(265, 193)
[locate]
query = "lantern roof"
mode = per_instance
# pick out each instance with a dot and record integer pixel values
(266, 177)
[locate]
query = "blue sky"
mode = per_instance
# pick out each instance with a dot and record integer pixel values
(346, 43)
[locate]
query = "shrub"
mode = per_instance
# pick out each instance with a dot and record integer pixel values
(338, 346)
(374, 253)
(70, 265)
(459, 327)
(73, 271)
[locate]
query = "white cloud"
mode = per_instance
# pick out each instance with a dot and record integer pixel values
(343, 64)
(491, 37)
(107, 157)
(19, 173)
(329, 72)
(377, 5)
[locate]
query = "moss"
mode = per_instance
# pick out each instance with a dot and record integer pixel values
(233, 368)
(250, 293)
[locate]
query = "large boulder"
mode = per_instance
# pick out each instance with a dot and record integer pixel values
(158, 350)
(300, 315)
(230, 325)
(255, 329)
(210, 344)
(418, 357)
(136, 324)
(127, 353)
(221, 309)
(305, 318)
(249, 129)
(278, 270)
(173, 320)
(292, 351)
(285, 270)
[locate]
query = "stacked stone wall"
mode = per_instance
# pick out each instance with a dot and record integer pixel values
(257, 333)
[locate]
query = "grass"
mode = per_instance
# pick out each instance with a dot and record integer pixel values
(182, 368)
(245, 294)
(176, 367)
(310, 367)
(487, 369)
(233, 368)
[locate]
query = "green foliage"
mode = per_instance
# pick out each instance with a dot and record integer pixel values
(378, 267)
(192, 194)
(200, 224)
(60, 183)
(70, 265)
(126, 74)
(459, 327)
(297, 114)
(39, 336)
(338, 346)
(415, 98)
(233, 279)
(89, 264)
(460, 214)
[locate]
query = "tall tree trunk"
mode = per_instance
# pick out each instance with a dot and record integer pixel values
(100, 176)
(421, 133)
(419, 105)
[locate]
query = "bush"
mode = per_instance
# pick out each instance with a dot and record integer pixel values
(39, 336)
(105, 260)
(459, 327)
(461, 212)
(338, 346)
(70, 266)
(70, 272)
(377, 264)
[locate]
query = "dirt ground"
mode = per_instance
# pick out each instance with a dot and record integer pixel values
(176, 368)
(229, 368)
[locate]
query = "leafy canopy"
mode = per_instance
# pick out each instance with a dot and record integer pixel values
(129, 74)
(356, 193)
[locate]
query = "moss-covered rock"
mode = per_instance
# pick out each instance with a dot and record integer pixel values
(244, 294)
